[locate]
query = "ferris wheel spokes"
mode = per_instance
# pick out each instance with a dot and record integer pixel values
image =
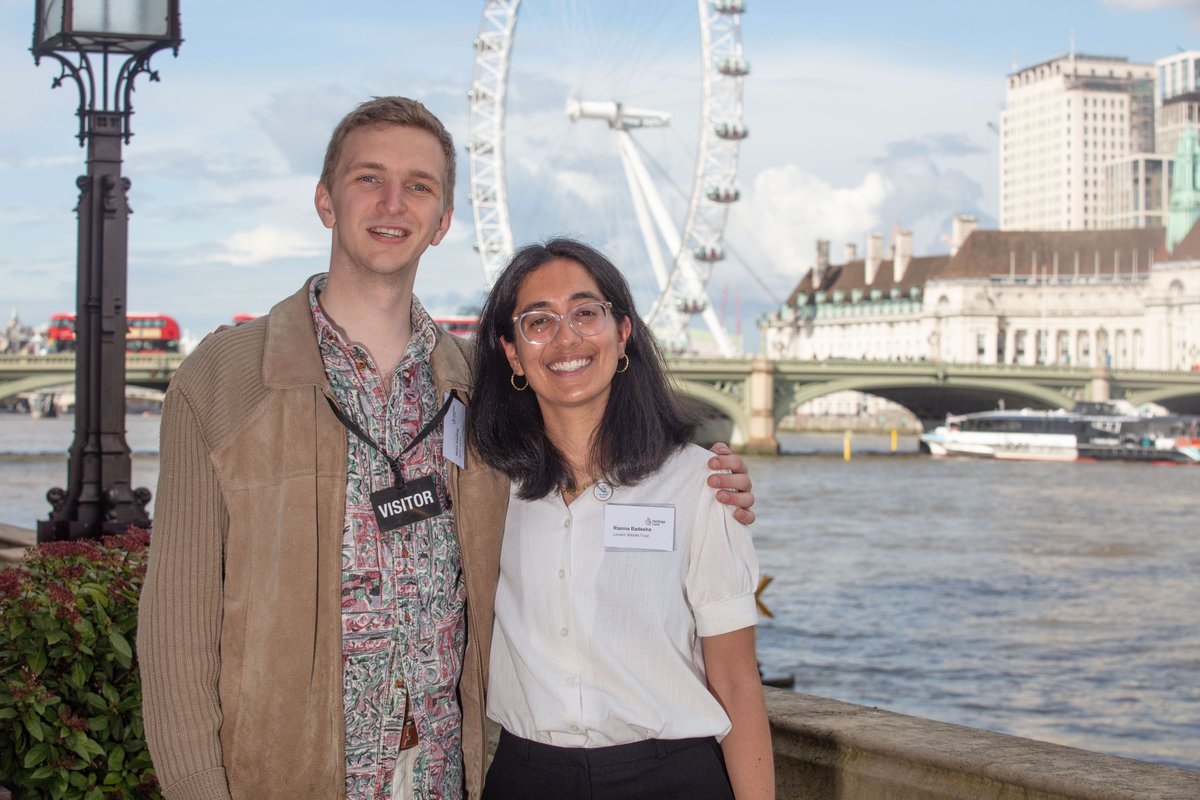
(657, 228)
(683, 258)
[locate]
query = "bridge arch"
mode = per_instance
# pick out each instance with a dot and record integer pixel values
(729, 408)
(957, 394)
(1165, 395)
(33, 383)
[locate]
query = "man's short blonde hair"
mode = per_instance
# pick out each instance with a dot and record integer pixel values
(401, 111)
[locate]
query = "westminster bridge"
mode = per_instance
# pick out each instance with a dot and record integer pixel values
(743, 400)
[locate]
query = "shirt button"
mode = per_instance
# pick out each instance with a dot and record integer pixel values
(566, 523)
(562, 573)
(576, 729)
(562, 631)
(399, 683)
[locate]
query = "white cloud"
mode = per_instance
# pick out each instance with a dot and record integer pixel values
(790, 208)
(268, 243)
(1149, 5)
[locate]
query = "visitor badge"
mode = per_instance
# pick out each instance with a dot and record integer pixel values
(629, 527)
(398, 506)
(454, 430)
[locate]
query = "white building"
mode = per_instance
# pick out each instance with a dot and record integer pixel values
(1176, 75)
(1176, 99)
(1078, 298)
(1137, 191)
(1064, 121)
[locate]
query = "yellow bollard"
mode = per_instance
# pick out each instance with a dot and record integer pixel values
(894, 440)
(846, 447)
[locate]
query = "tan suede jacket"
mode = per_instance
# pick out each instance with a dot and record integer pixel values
(239, 629)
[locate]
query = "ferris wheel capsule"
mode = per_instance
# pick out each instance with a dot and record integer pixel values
(723, 194)
(734, 67)
(731, 131)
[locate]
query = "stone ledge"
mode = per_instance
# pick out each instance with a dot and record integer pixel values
(829, 750)
(13, 543)
(12, 536)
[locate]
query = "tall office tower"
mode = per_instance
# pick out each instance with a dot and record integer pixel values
(1176, 99)
(1064, 121)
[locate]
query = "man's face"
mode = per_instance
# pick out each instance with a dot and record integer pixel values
(387, 200)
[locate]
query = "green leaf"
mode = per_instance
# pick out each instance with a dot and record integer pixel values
(36, 755)
(7, 712)
(37, 661)
(16, 627)
(77, 676)
(116, 758)
(79, 743)
(33, 724)
(96, 592)
(94, 794)
(85, 628)
(121, 646)
(41, 773)
(95, 701)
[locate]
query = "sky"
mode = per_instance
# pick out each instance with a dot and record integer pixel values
(864, 116)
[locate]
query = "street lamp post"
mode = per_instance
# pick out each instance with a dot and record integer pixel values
(102, 45)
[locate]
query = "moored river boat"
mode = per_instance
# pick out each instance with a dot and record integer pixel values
(1088, 432)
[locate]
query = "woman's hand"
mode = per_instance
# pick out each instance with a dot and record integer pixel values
(734, 485)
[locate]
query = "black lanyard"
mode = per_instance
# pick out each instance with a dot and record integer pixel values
(395, 463)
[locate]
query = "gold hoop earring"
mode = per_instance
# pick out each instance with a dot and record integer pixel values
(513, 381)
(626, 367)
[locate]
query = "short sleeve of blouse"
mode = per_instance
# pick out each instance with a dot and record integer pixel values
(723, 572)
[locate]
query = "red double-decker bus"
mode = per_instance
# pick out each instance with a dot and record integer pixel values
(463, 326)
(146, 333)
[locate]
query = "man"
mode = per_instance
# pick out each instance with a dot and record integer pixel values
(304, 629)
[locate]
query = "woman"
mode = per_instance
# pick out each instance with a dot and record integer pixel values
(623, 648)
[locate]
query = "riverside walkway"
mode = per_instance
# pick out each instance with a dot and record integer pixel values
(829, 750)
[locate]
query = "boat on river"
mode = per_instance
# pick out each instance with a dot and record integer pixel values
(1088, 432)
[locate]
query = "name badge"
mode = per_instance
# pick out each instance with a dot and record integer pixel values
(628, 527)
(454, 429)
(398, 506)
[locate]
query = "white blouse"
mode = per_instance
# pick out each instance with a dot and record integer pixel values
(596, 646)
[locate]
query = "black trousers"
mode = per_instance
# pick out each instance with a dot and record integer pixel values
(656, 769)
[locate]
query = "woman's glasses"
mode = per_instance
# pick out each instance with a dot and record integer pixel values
(541, 326)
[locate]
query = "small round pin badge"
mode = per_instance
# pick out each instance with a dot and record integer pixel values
(603, 490)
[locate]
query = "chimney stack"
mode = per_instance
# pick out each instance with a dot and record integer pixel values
(851, 252)
(964, 225)
(822, 263)
(903, 255)
(874, 257)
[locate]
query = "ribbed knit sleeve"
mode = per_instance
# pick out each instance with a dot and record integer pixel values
(180, 613)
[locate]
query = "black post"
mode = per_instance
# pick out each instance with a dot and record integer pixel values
(99, 499)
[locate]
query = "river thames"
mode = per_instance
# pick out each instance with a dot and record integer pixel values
(1059, 602)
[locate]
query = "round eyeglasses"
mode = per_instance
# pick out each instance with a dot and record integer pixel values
(541, 326)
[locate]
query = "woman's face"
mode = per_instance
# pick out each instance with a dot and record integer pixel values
(570, 371)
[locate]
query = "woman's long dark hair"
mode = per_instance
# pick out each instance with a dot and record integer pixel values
(643, 421)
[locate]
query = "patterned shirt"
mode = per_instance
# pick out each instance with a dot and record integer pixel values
(403, 596)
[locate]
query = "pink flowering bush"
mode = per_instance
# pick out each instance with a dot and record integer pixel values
(70, 697)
